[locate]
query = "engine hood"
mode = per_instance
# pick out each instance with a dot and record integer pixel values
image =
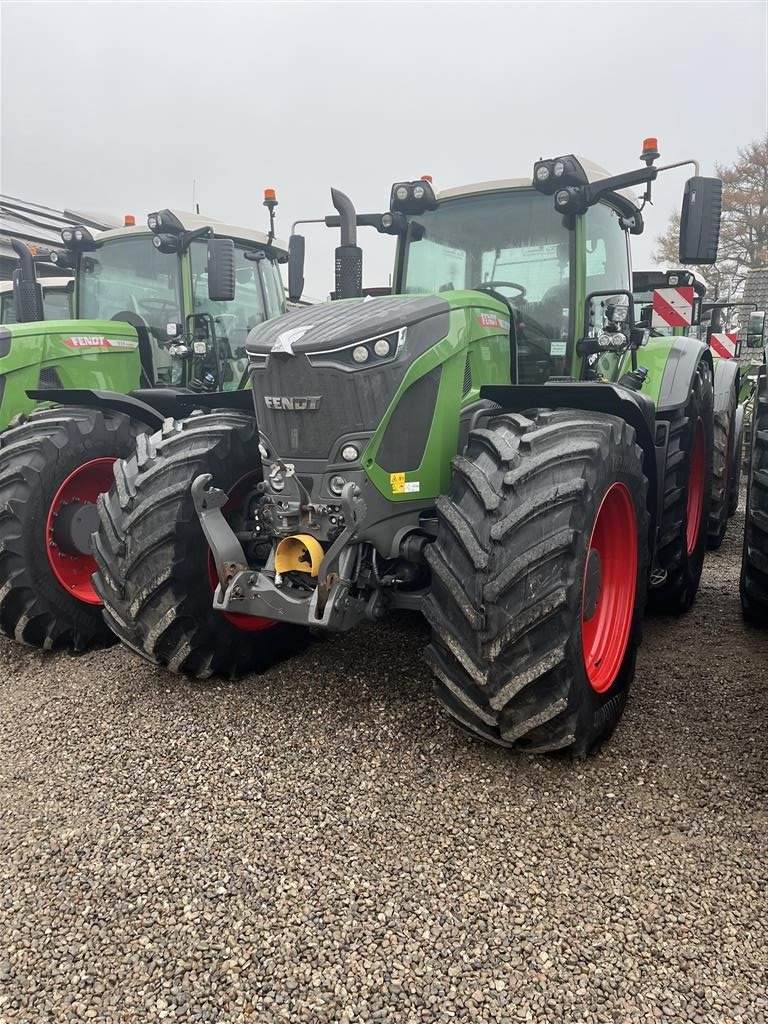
(336, 324)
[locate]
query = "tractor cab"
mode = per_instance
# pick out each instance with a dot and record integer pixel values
(156, 277)
(508, 239)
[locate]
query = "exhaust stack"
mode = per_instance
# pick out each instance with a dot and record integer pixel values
(349, 255)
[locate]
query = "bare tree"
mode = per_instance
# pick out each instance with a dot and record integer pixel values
(744, 228)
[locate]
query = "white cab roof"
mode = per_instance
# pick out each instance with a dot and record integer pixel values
(593, 171)
(193, 221)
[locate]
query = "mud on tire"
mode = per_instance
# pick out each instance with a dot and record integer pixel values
(508, 570)
(153, 559)
(38, 452)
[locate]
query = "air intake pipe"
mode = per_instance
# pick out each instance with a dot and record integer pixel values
(349, 255)
(27, 293)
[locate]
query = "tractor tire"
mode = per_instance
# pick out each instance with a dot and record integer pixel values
(753, 584)
(155, 575)
(539, 575)
(52, 460)
(686, 500)
(734, 484)
(723, 470)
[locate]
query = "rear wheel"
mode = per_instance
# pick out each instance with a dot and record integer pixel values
(154, 570)
(538, 580)
(54, 463)
(734, 484)
(686, 500)
(753, 585)
(723, 470)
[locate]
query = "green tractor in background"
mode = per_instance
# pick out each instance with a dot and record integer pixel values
(497, 444)
(694, 317)
(162, 315)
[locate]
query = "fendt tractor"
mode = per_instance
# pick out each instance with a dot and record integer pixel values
(163, 312)
(672, 303)
(485, 446)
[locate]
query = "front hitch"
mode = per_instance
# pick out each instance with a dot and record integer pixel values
(228, 555)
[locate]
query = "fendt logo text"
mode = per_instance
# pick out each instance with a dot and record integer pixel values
(297, 404)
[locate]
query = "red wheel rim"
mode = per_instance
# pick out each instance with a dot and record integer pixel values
(695, 487)
(610, 584)
(248, 623)
(84, 485)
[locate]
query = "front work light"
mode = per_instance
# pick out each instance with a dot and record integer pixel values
(570, 201)
(551, 175)
(166, 243)
(164, 221)
(78, 237)
(412, 197)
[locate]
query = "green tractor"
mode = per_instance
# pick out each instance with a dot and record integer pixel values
(672, 304)
(484, 446)
(163, 312)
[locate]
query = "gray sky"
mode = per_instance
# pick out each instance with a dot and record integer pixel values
(118, 106)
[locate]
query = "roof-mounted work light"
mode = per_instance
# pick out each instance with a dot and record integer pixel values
(562, 172)
(412, 197)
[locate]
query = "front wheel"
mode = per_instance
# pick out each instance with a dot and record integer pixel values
(539, 579)
(54, 463)
(155, 574)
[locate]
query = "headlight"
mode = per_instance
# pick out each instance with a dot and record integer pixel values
(349, 453)
(360, 353)
(558, 169)
(542, 172)
(401, 193)
(381, 347)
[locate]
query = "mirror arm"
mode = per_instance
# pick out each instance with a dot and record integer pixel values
(186, 238)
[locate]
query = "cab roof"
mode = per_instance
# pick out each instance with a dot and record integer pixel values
(193, 221)
(593, 171)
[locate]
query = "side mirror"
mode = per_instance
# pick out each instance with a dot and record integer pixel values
(221, 269)
(295, 267)
(700, 220)
(756, 330)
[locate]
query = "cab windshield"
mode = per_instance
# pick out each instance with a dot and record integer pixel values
(129, 274)
(513, 242)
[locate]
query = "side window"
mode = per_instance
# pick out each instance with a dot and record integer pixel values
(436, 267)
(7, 309)
(56, 304)
(273, 288)
(607, 251)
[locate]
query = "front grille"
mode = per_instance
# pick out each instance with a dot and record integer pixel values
(349, 403)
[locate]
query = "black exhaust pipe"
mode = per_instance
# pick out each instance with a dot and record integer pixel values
(349, 255)
(27, 293)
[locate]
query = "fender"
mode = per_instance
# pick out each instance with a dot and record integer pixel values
(611, 399)
(726, 382)
(134, 408)
(684, 358)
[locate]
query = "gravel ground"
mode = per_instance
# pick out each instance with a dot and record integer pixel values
(318, 844)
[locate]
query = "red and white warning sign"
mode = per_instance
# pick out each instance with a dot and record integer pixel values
(724, 345)
(672, 307)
